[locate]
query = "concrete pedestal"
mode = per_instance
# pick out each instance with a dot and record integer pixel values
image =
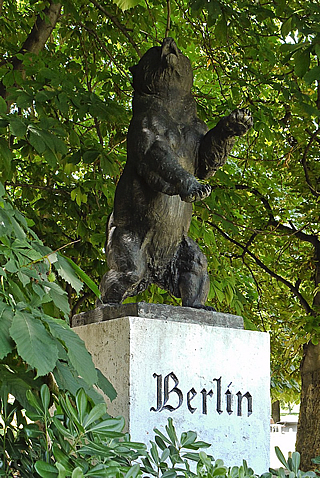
(200, 368)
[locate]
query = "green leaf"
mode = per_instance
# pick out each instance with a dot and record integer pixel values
(77, 473)
(35, 345)
(126, 4)
(295, 462)
(3, 106)
(62, 429)
(107, 426)
(62, 470)
(312, 75)
(6, 342)
(97, 412)
(286, 27)
(17, 127)
(280, 457)
(45, 470)
(34, 401)
(45, 396)
(36, 140)
(90, 156)
(84, 277)
(81, 402)
(76, 350)
(5, 155)
(188, 438)
(67, 272)
(133, 472)
(106, 386)
(221, 31)
(301, 62)
(59, 296)
(18, 382)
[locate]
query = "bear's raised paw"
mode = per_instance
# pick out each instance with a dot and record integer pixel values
(239, 122)
(196, 193)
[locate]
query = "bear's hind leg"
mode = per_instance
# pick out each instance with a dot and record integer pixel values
(193, 278)
(128, 271)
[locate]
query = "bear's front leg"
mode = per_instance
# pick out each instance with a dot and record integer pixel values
(191, 190)
(237, 123)
(217, 144)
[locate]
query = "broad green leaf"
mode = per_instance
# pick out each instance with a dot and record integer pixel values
(45, 396)
(36, 140)
(221, 30)
(133, 472)
(18, 127)
(35, 402)
(35, 345)
(188, 438)
(77, 473)
(58, 296)
(68, 379)
(62, 470)
(295, 462)
(62, 429)
(301, 62)
(81, 402)
(45, 470)
(312, 75)
(97, 412)
(67, 272)
(6, 342)
(286, 27)
(165, 454)
(18, 382)
(107, 426)
(106, 386)
(126, 4)
(84, 277)
(280, 457)
(3, 106)
(77, 352)
(5, 155)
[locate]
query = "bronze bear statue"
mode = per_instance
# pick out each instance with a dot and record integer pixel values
(167, 146)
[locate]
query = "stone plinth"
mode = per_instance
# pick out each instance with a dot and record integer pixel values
(198, 367)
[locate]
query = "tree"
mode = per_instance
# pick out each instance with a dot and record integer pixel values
(65, 109)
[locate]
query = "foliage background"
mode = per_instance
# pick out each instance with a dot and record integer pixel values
(65, 106)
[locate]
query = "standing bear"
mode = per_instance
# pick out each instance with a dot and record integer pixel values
(168, 146)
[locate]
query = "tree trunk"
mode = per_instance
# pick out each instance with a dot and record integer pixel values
(36, 40)
(308, 436)
(275, 411)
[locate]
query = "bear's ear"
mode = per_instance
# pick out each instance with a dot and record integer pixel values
(133, 69)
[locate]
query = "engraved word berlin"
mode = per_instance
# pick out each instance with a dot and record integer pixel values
(170, 397)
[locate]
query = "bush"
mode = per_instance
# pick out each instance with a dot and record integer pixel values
(78, 439)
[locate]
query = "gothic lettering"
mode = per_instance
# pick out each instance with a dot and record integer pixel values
(190, 396)
(170, 396)
(249, 403)
(204, 400)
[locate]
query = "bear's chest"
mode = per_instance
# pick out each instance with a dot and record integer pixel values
(183, 140)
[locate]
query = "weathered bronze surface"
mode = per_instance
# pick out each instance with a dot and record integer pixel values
(168, 147)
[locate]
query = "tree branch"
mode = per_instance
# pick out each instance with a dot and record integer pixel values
(292, 231)
(116, 22)
(36, 40)
(273, 274)
(168, 18)
(105, 49)
(42, 29)
(305, 166)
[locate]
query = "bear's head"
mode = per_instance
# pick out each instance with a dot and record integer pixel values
(163, 70)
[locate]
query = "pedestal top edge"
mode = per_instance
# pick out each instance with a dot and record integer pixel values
(157, 311)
